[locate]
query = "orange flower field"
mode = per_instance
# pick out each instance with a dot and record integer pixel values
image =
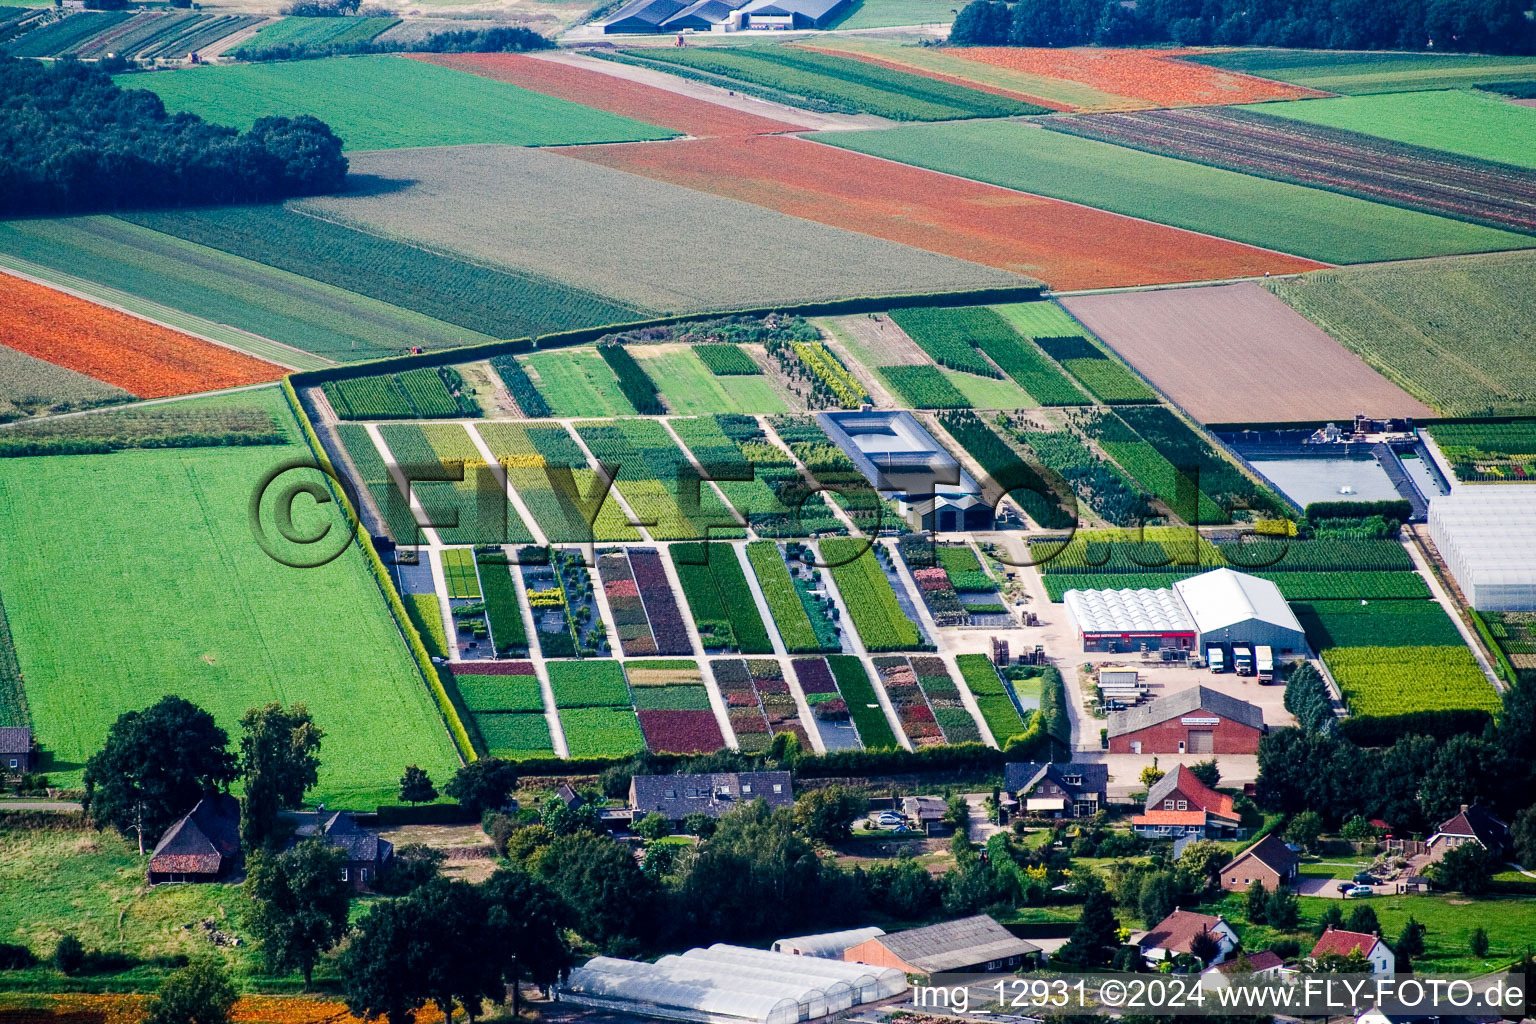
(1063, 244)
(611, 93)
(1155, 76)
(79, 1008)
(140, 357)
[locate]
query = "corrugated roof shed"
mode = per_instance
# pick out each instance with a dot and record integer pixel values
(1196, 698)
(955, 944)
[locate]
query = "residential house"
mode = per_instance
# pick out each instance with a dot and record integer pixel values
(202, 846)
(1057, 790)
(568, 796)
(17, 756)
(971, 945)
(1197, 720)
(1473, 824)
(1176, 933)
(1179, 804)
(927, 814)
(677, 796)
(1343, 943)
(1263, 966)
(1269, 861)
(368, 856)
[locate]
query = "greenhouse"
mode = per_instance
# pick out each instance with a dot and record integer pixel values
(1487, 535)
(829, 945)
(729, 985)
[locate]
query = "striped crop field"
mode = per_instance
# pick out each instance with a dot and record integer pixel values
(1065, 246)
(1369, 71)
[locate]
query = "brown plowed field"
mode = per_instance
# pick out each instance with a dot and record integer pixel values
(1155, 76)
(1237, 354)
(615, 95)
(1341, 161)
(1065, 245)
(142, 358)
(896, 65)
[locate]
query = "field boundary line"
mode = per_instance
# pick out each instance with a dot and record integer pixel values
(1321, 265)
(166, 317)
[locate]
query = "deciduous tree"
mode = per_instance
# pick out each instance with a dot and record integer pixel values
(416, 786)
(526, 923)
(279, 762)
(298, 904)
(483, 785)
(199, 993)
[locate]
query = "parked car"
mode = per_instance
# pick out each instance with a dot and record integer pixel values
(1366, 878)
(889, 819)
(1359, 890)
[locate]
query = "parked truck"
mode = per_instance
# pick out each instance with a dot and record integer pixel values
(1242, 659)
(1216, 658)
(1264, 656)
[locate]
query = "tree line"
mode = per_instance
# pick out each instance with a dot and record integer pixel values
(72, 141)
(1491, 26)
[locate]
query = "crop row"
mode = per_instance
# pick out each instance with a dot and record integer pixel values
(625, 605)
(1324, 554)
(863, 705)
(1183, 446)
(594, 683)
(658, 481)
(520, 387)
(871, 602)
(1099, 483)
(633, 380)
(1162, 549)
(1006, 471)
(911, 704)
(1376, 624)
(749, 717)
(64, 34)
(501, 609)
(1400, 680)
(1294, 586)
(459, 568)
(1177, 490)
(944, 697)
(660, 606)
(831, 372)
(992, 697)
(549, 471)
(1109, 381)
(923, 387)
(774, 497)
(948, 335)
(376, 480)
(726, 360)
(509, 692)
(1021, 359)
(425, 393)
(601, 732)
(833, 471)
(789, 614)
(513, 736)
(719, 596)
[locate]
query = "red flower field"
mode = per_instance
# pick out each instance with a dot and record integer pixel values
(1063, 244)
(681, 732)
(140, 357)
(608, 92)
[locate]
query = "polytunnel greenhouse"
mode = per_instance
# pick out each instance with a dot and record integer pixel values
(729, 985)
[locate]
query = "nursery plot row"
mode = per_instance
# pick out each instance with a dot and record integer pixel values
(1351, 72)
(1294, 586)
(301, 31)
(515, 736)
(840, 82)
(833, 471)
(673, 706)
(1108, 381)
(424, 393)
(795, 621)
(1376, 624)
(1183, 446)
(1097, 482)
(831, 713)
(917, 717)
(548, 469)
(947, 335)
(923, 387)
(63, 34)
(520, 386)
(470, 510)
(997, 335)
(1384, 681)
(933, 583)
(1489, 452)
(375, 478)
(596, 714)
(1453, 333)
(758, 702)
(505, 702)
(690, 388)
(726, 360)
(776, 501)
(547, 601)
(1255, 142)
(1152, 549)
(993, 695)
(1141, 459)
(868, 595)
(656, 479)
(832, 375)
(635, 384)
(144, 36)
(719, 598)
(943, 695)
(1006, 473)
(1515, 633)
(459, 569)
(1323, 554)
(502, 610)
(645, 613)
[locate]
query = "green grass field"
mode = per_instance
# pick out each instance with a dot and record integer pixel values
(218, 288)
(1453, 333)
(576, 382)
(1274, 214)
(893, 13)
(1474, 124)
(1360, 72)
(428, 105)
(133, 575)
(318, 31)
(690, 389)
(986, 393)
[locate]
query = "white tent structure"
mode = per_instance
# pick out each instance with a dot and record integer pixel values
(1487, 535)
(1234, 607)
(729, 985)
(828, 945)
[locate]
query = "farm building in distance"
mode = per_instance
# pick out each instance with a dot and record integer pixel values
(201, 846)
(1217, 607)
(729, 985)
(645, 16)
(1487, 536)
(677, 796)
(1198, 720)
(972, 945)
(902, 461)
(830, 945)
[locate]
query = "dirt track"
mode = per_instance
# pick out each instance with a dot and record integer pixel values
(1237, 354)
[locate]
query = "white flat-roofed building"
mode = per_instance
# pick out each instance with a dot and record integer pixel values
(1487, 536)
(1129, 620)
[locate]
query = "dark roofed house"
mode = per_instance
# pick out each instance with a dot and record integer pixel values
(1057, 790)
(642, 16)
(1268, 861)
(570, 797)
(16, 753)
(677, 796)
(202, 846)
(368, 856)
(1473, 824)
(1198, 720)
(927, 813)
(972, 945)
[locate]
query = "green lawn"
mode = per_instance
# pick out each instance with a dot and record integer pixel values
(987, 393)
(691, 390)
(1275, 214)
(256, 301)
(1473, 124)
(133, 575)
(576, 382)
(1357, 72)
(893, 13)
(428, 105)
